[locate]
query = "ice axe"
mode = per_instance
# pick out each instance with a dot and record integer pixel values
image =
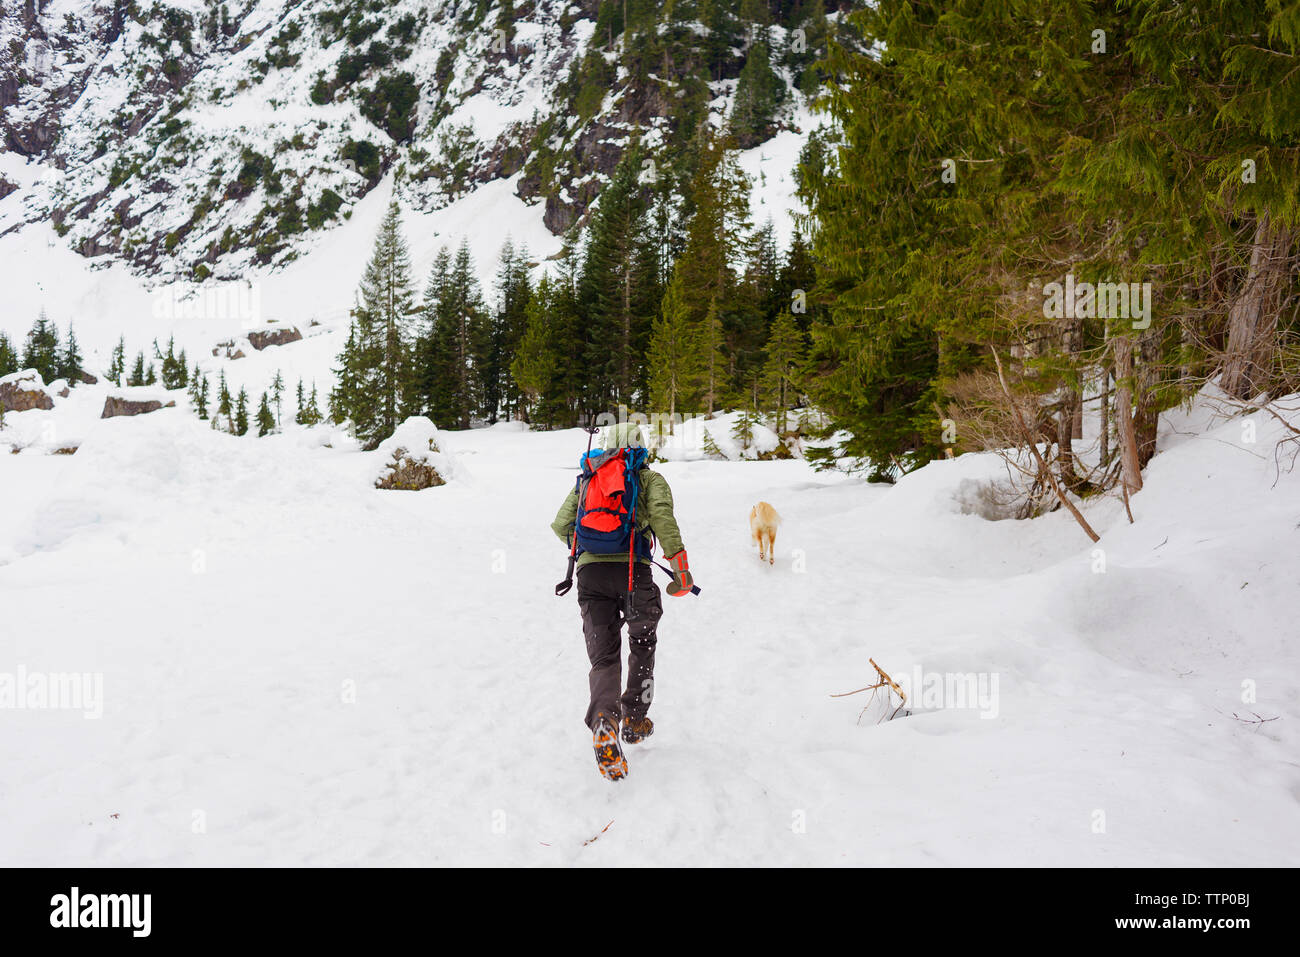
(563, 587)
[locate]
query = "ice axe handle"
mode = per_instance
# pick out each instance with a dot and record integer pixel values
(563, 587)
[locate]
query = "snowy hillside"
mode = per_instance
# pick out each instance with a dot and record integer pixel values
(192, 140)
(299, 669)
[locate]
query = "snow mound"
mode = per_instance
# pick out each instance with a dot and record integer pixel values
(414, 458)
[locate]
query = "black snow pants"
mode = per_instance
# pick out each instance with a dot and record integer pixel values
(602, 590)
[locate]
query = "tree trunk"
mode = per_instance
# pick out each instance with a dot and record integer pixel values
(1071, 405)
(1252, 319)
(1131, 472)
(1146, 417)
(1104, 458)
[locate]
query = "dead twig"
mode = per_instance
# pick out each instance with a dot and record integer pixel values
(884, 682)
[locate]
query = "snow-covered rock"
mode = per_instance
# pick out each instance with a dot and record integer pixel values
(116, 405)
(25, 390)
(413, 458)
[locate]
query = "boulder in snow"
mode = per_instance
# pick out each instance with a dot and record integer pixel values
(21, 391)
(116, 405)
(230, 349)
(413, 458)
(261, 338)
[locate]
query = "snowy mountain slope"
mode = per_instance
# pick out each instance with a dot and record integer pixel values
(298, 669)
(192, 140)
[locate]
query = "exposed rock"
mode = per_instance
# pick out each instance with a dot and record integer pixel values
(24, 390)
(409, 472)
(116, 405)
(261, 338)
(412, 459)
(228, 349)
(86, 378)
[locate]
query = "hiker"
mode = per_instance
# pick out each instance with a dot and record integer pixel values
(618, 491)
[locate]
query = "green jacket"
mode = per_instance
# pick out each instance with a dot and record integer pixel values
(655, 512)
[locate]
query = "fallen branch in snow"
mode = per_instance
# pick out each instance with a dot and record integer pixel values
(1258, 718)
(597, 837)
(1031, 442)
(884, 682)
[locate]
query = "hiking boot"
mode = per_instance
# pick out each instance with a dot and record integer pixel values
(637, 729)
(609, 755)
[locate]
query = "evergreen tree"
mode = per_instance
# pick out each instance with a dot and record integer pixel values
(785, 356)
(41, 351)
(277, 393)
(265, 418)
(759, 93)
(69, 366)
(117, 366)
(510, 323)
(300, 397)
(618, 289)
(533, 368)
(375, 375)
(312, 415)
(199, 393)
(8, 357)
(138, 374)
(454, 356)
(673, 358)
(241, 413)
(224, 419)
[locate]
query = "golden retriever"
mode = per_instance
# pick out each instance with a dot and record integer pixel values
(763, 522)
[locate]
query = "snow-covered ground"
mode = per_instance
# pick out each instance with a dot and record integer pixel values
(299, 669)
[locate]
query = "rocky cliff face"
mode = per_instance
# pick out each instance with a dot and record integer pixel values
(194, 138)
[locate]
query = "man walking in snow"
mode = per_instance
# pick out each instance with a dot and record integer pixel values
(606, 602)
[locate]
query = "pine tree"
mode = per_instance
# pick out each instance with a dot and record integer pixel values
(312, 414)
(759, 93)
(70, 359)
(41, 351)
(297, 417)
(241, 413)
(199, 393)
(265, 418)
(138, 374)
(510, 323)
(277, 393)
(8, 357)
(618, 289)
(117, 366)
(785, 356)
(224, 419)
(375, 374)
(673, 357)
(454, 354)
(534, 365)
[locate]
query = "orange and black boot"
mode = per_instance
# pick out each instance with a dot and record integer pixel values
(609, 754)
(637, 729)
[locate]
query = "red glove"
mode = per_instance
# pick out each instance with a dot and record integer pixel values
(682, 581)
